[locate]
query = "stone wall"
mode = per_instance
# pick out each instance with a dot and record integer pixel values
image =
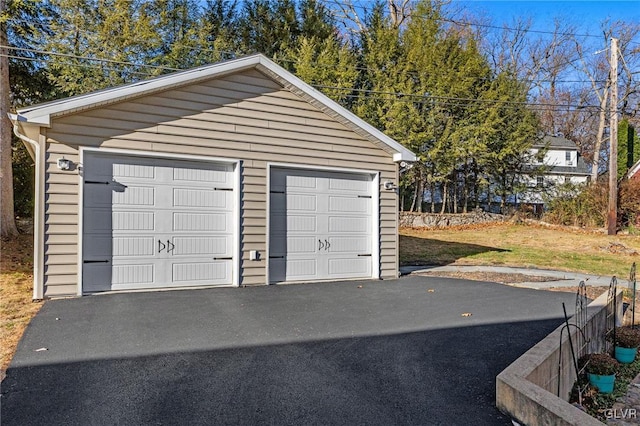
(435, 220)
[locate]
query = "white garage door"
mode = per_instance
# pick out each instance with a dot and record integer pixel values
(153, 223)
(320, 225)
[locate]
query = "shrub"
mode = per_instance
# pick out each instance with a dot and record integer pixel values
(627, 337)
(602, 364)
(578, 205)
(629, 204)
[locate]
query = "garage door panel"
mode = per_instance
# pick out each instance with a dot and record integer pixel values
(349, 205)
(133, 274)
(202, 199)
(200, 222)
(218, 174)
(133, 221)
(101, 246)
(199, 246)
(301, 224)
(351, 224)
(213, 272)
(301, 245)
(133, 196)
(301, 181)
(301, 203)
(350, 183)
(125, 168)
(350, 267)
(301, 269)
(357, 245)
(133, 246)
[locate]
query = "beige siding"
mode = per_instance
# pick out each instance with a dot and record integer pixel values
(244, 116)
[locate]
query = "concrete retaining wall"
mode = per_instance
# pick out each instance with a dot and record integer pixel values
(526, 390)
(435, 220)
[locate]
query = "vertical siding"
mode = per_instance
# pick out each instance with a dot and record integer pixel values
(242, 116)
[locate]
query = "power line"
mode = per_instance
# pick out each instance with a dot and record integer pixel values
(87, 58)
(79, 65)
(235, 54)
(367, 94)
(430, 98)
(427, 98)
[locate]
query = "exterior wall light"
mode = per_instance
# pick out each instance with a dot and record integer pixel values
(64, 164)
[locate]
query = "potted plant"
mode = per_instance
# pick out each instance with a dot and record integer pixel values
(626, 344)
(601, 369)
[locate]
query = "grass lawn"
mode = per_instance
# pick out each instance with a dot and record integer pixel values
(521, 245)
(16, 293)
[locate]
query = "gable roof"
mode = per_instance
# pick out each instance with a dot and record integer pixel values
(556, 142)
(43, 114)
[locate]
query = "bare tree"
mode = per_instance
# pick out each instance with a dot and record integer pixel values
(352, 13)
(595, 67)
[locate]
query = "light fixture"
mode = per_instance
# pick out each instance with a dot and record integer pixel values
(389, 186)
(64, 164)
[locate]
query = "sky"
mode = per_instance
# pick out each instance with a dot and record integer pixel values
(585, 15)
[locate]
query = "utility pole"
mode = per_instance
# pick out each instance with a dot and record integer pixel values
(612, 217)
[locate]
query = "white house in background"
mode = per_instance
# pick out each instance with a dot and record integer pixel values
(562, 163)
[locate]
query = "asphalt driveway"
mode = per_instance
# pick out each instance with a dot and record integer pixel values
(375, 353)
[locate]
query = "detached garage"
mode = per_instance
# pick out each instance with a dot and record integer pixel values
(236, 173)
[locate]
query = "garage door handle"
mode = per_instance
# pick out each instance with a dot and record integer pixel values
(327, 244)
(161, 246)
(320, 245)
(170, 246)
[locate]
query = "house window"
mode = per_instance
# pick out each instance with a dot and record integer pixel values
(540, 181)
(567, 157)
(567, 179)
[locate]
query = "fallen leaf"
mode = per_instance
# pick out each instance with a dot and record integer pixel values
(431, 290)
(359, 286)
(466, 314)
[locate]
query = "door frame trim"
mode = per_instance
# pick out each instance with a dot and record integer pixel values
(237, 164)
(375, 209)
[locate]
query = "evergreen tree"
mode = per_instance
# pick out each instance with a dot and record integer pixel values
(179, 40)
(220, 30)
(22, 24)
(101, 43)
(326, 63)
(628, 147)
(509, 129)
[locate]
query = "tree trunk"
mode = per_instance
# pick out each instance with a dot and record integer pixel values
(420, 194)
(7, 217)
(415, 196)
(465, 195)
(432, 187)
(455, 194)
(445, 191)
